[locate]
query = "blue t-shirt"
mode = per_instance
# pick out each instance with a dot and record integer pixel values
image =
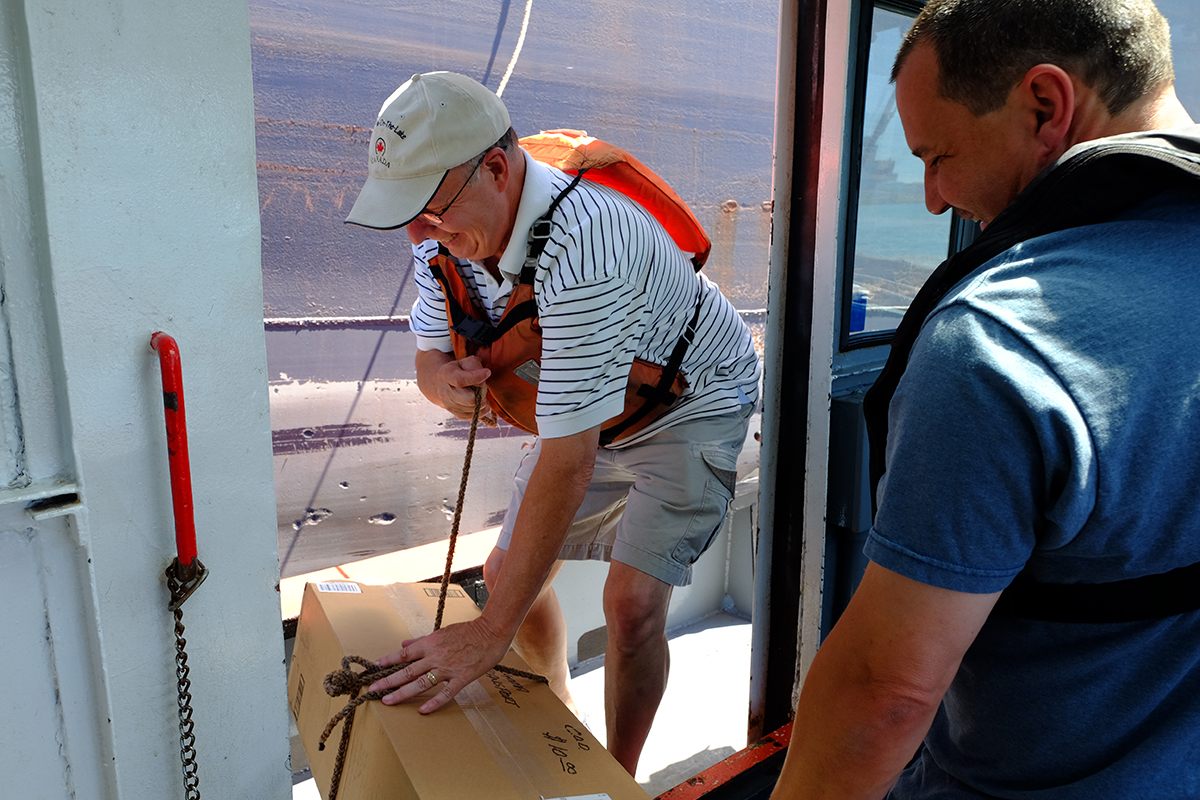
(1050, 414)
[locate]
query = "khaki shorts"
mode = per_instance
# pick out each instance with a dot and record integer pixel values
(656, 505)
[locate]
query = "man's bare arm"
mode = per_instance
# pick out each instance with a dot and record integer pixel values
(458, 654)
(875, 685)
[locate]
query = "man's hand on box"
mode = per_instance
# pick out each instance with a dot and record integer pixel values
(448, 659)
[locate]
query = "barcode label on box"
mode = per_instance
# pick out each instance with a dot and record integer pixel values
(345, 587)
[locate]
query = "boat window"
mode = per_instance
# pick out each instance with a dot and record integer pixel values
(364, 465)
(893, 243)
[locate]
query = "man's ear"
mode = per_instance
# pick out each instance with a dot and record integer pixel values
(1049, 95)
(496, 164)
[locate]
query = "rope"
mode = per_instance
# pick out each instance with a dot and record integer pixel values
(512, 63)
(347, 681)
(458, 507)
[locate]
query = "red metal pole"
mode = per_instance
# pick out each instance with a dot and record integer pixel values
(177, 448)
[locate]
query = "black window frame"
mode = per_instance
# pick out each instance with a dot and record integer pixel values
(961, 232)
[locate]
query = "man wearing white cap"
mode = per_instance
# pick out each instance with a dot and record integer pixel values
(611, 295)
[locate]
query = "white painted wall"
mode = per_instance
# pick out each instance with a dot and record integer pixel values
(128, 203)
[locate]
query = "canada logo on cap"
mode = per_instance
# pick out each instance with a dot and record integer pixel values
(377, 154)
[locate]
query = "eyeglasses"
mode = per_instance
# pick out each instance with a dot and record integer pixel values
(435, 217)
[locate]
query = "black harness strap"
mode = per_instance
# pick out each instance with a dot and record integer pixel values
(1143, 598)
(539, 232)
(1093, 186)
(477, 330)
(481, 330)
(660, 393)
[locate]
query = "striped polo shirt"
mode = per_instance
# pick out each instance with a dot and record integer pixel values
(610, 285)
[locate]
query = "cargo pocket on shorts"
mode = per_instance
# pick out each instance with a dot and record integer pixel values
(714, 505)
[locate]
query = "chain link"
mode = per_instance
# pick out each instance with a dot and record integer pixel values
(187, 736)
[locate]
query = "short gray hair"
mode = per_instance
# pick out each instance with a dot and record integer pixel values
(1120, 48)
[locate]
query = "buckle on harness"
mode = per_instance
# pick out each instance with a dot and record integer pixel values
(475, 329)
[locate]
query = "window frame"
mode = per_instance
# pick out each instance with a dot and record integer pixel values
(960, 233)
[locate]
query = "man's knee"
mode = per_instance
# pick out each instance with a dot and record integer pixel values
(635, 607)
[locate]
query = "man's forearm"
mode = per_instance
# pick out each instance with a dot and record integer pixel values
(850, 739)
(427, 363)
(552, 498)
(876, 684)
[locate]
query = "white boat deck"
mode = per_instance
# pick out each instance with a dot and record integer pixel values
(702, 719)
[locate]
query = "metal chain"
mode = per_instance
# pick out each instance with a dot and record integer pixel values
(187, 736)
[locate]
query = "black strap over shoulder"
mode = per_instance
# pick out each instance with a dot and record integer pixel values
(479, 329)
(539, 232)
(1134, 599)
(1095, 185)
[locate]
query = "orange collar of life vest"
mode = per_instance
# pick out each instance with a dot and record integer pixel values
(573, 151)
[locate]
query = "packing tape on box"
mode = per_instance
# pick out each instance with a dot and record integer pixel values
(509, 749)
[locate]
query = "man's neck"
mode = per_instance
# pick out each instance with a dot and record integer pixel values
(1167, 112)
(1158, 111)
(512, 202)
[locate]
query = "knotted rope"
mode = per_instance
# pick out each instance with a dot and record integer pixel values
(347, 681)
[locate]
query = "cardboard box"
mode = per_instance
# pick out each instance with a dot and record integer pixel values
(504, 738)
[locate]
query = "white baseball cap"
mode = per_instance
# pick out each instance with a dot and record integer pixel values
(431, 124)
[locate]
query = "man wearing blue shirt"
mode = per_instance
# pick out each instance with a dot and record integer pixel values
(1028, 624)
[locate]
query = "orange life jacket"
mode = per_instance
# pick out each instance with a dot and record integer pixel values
(607, 164)
(512, 348)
